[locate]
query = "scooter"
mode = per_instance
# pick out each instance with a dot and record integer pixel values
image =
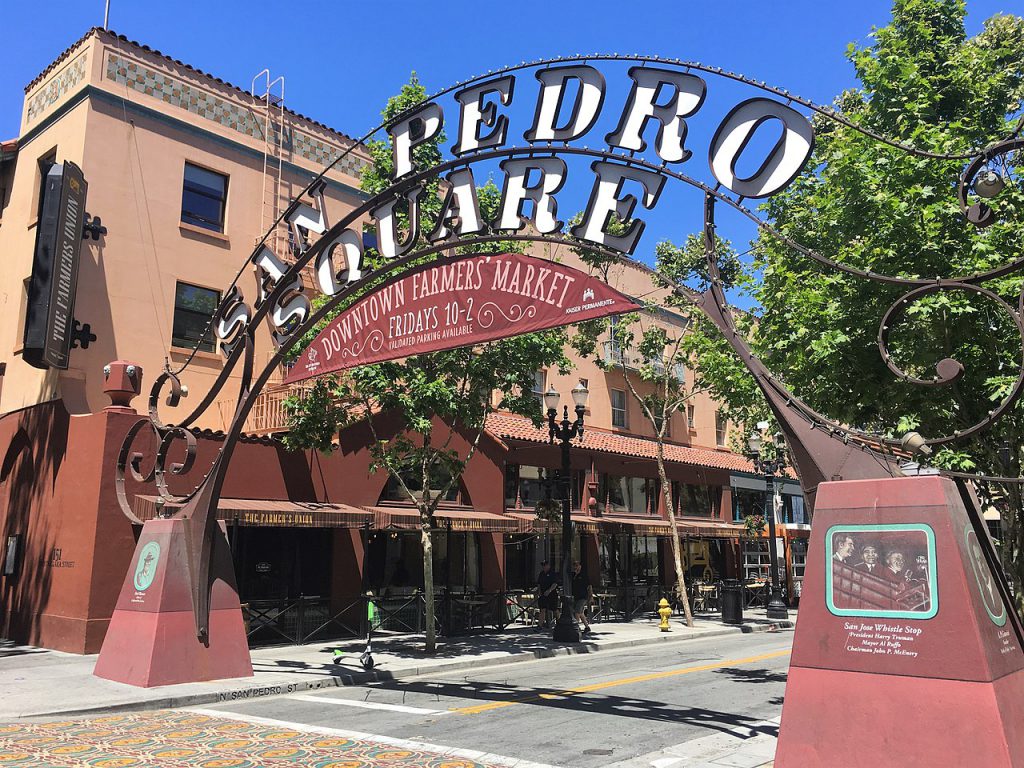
(366, 658)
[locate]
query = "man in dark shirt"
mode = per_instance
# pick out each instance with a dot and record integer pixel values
(547, 594)
(582, 594)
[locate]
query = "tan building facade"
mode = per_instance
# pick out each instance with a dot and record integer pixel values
(187, 173)
(158, 142)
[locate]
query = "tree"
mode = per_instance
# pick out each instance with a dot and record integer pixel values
(923, 82)
(660, 352)
(456, 388)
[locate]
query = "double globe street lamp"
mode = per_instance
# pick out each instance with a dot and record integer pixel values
(566, 629)
(770, 465)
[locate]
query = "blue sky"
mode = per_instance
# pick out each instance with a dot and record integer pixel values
(342, 60)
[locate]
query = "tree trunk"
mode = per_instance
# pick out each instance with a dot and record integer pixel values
(677, 558)
(428, 582)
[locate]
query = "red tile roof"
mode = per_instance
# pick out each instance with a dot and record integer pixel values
(511, 427)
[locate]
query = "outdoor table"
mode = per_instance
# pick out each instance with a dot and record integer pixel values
(526, 605)
(706, 598)
(601, 610)
(756, 592)
(472, 606)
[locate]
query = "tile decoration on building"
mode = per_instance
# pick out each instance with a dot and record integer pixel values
(190, 739)
(237, 117)
(55, 88)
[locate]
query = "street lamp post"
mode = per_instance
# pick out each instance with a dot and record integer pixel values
(566, 629)
(769, 467)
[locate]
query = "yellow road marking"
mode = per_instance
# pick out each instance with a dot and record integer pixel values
(623, 681)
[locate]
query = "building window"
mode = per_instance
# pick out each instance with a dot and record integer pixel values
(756, 559)
(44, 164)
(635, 495)
(695, 500)
(619, 408)
(439, 479)
(645, 560)
(746, 502)
(612, 349)
(193, 309)
(526, 486)
(539, 379)
(203, 198)
(720, 429)
(690, 423)
(793, 510)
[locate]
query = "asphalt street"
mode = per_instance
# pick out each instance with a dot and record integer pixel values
(588, 710)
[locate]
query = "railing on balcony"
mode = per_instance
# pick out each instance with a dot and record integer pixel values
(614, 354)
(267, 415)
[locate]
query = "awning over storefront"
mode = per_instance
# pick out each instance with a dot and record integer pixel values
(581, 522)
(461, 519)
(271, 512)
(656, 526)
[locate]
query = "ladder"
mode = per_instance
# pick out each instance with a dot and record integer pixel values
(268, 95)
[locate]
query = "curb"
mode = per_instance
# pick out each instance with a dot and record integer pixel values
(249, 692)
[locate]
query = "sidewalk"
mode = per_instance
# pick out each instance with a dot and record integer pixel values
(38, 682)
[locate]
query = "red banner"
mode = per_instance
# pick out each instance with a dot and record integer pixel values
(455, 303)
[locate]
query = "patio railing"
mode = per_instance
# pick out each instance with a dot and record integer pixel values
(312, 618)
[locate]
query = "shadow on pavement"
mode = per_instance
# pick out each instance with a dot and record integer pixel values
(9, 648)
(583, 702)
(752, 675)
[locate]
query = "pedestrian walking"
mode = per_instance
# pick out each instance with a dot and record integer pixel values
(582, 595)
(547, 595)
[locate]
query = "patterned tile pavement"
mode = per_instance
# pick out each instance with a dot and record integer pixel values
(183, 739)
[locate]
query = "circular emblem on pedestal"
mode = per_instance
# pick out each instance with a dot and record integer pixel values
(990, 597)
(145, 569)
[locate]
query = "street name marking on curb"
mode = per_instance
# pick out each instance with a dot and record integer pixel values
(622, 681)
(369, 705)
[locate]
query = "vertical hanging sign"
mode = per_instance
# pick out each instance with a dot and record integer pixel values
(51, 295)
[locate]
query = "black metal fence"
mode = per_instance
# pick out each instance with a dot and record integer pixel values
(308, 619)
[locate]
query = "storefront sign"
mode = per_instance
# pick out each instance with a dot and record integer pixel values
(51, 300)
(455, 303)
(285, 519)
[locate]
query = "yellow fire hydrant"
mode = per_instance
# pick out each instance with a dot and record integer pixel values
(664, 611)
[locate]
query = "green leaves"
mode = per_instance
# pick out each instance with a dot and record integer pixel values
(875, 207)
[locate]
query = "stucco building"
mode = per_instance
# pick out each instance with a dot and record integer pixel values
(186, 173)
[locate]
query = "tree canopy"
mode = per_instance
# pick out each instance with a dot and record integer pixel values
(866, 204)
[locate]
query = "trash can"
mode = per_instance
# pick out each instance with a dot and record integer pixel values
(732, 602)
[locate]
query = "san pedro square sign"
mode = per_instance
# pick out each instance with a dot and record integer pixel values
(454, 303)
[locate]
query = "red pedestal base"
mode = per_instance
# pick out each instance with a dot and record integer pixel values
(152, 636)
(900, 666)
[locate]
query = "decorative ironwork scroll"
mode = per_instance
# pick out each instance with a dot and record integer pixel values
(647, 147)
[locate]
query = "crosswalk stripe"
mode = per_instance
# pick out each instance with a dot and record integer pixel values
(466, 754)
(369, 705)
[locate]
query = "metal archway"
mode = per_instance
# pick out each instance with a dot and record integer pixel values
(822, 449)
